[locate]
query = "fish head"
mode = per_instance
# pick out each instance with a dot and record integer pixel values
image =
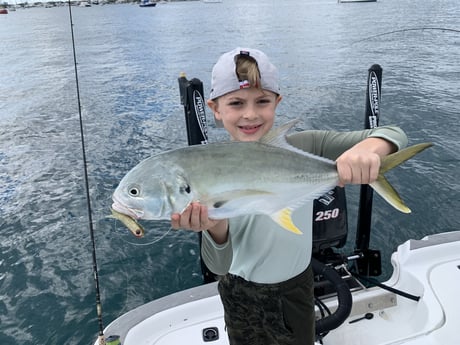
(152, 192)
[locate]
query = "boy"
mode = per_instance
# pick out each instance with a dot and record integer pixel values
(266, 282)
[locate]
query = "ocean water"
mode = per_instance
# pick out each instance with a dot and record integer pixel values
(129, 59)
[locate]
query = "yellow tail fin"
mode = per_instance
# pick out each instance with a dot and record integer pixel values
(383, 187)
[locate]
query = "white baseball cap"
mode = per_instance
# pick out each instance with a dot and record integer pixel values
(224, 78)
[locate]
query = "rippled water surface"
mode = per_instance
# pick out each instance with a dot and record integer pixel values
(129, 59)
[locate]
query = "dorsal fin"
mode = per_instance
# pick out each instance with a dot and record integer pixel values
(277, 136)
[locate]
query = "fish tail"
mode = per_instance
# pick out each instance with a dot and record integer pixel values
(397, 158)
(383, 187)
(387, 192)
(284, 219)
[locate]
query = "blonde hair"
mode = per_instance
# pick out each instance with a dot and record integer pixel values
(247, 69)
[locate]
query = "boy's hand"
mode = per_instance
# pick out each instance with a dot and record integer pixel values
(194, 217)
(361, 163)
(358, 167)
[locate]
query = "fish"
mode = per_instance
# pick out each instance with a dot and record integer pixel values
(131, 223)
(232, 179)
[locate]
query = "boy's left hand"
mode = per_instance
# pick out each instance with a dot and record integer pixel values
(361, 163)
(358, 166)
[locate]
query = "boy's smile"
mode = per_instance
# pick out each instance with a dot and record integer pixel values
(250, 130)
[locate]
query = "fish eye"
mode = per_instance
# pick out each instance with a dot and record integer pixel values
(185, 189)
(134, 191)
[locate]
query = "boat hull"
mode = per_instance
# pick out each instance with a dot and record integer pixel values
(148, 4)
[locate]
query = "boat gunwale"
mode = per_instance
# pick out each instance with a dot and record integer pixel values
(125, 322)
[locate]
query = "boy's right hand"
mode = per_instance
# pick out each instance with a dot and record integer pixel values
(194, 217)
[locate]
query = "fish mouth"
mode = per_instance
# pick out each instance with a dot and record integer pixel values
(131, 212)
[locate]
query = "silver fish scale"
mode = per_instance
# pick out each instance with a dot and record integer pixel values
(251, 161)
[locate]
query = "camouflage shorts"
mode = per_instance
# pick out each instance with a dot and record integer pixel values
(269, 314)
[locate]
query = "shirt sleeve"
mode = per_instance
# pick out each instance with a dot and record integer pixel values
(217, 257)
(332, 144)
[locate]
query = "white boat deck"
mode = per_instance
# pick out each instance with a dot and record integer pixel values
(427, 268)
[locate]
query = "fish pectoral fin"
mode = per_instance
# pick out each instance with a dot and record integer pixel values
(387, 192)
(284, 219)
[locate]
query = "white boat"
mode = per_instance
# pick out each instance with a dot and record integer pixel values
(418, 305)
(147, 3)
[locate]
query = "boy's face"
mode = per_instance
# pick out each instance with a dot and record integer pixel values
(247, 114)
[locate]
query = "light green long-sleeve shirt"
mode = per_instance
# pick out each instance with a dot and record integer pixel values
(261, 251)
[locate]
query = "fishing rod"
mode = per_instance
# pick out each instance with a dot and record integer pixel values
(406, 30)
(101, 337)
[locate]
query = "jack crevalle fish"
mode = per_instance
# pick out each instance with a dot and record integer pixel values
(238, 178)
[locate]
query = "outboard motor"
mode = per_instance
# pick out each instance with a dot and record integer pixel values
(330, 226)
(330, 230)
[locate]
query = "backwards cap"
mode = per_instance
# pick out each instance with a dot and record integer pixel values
(224, 77)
